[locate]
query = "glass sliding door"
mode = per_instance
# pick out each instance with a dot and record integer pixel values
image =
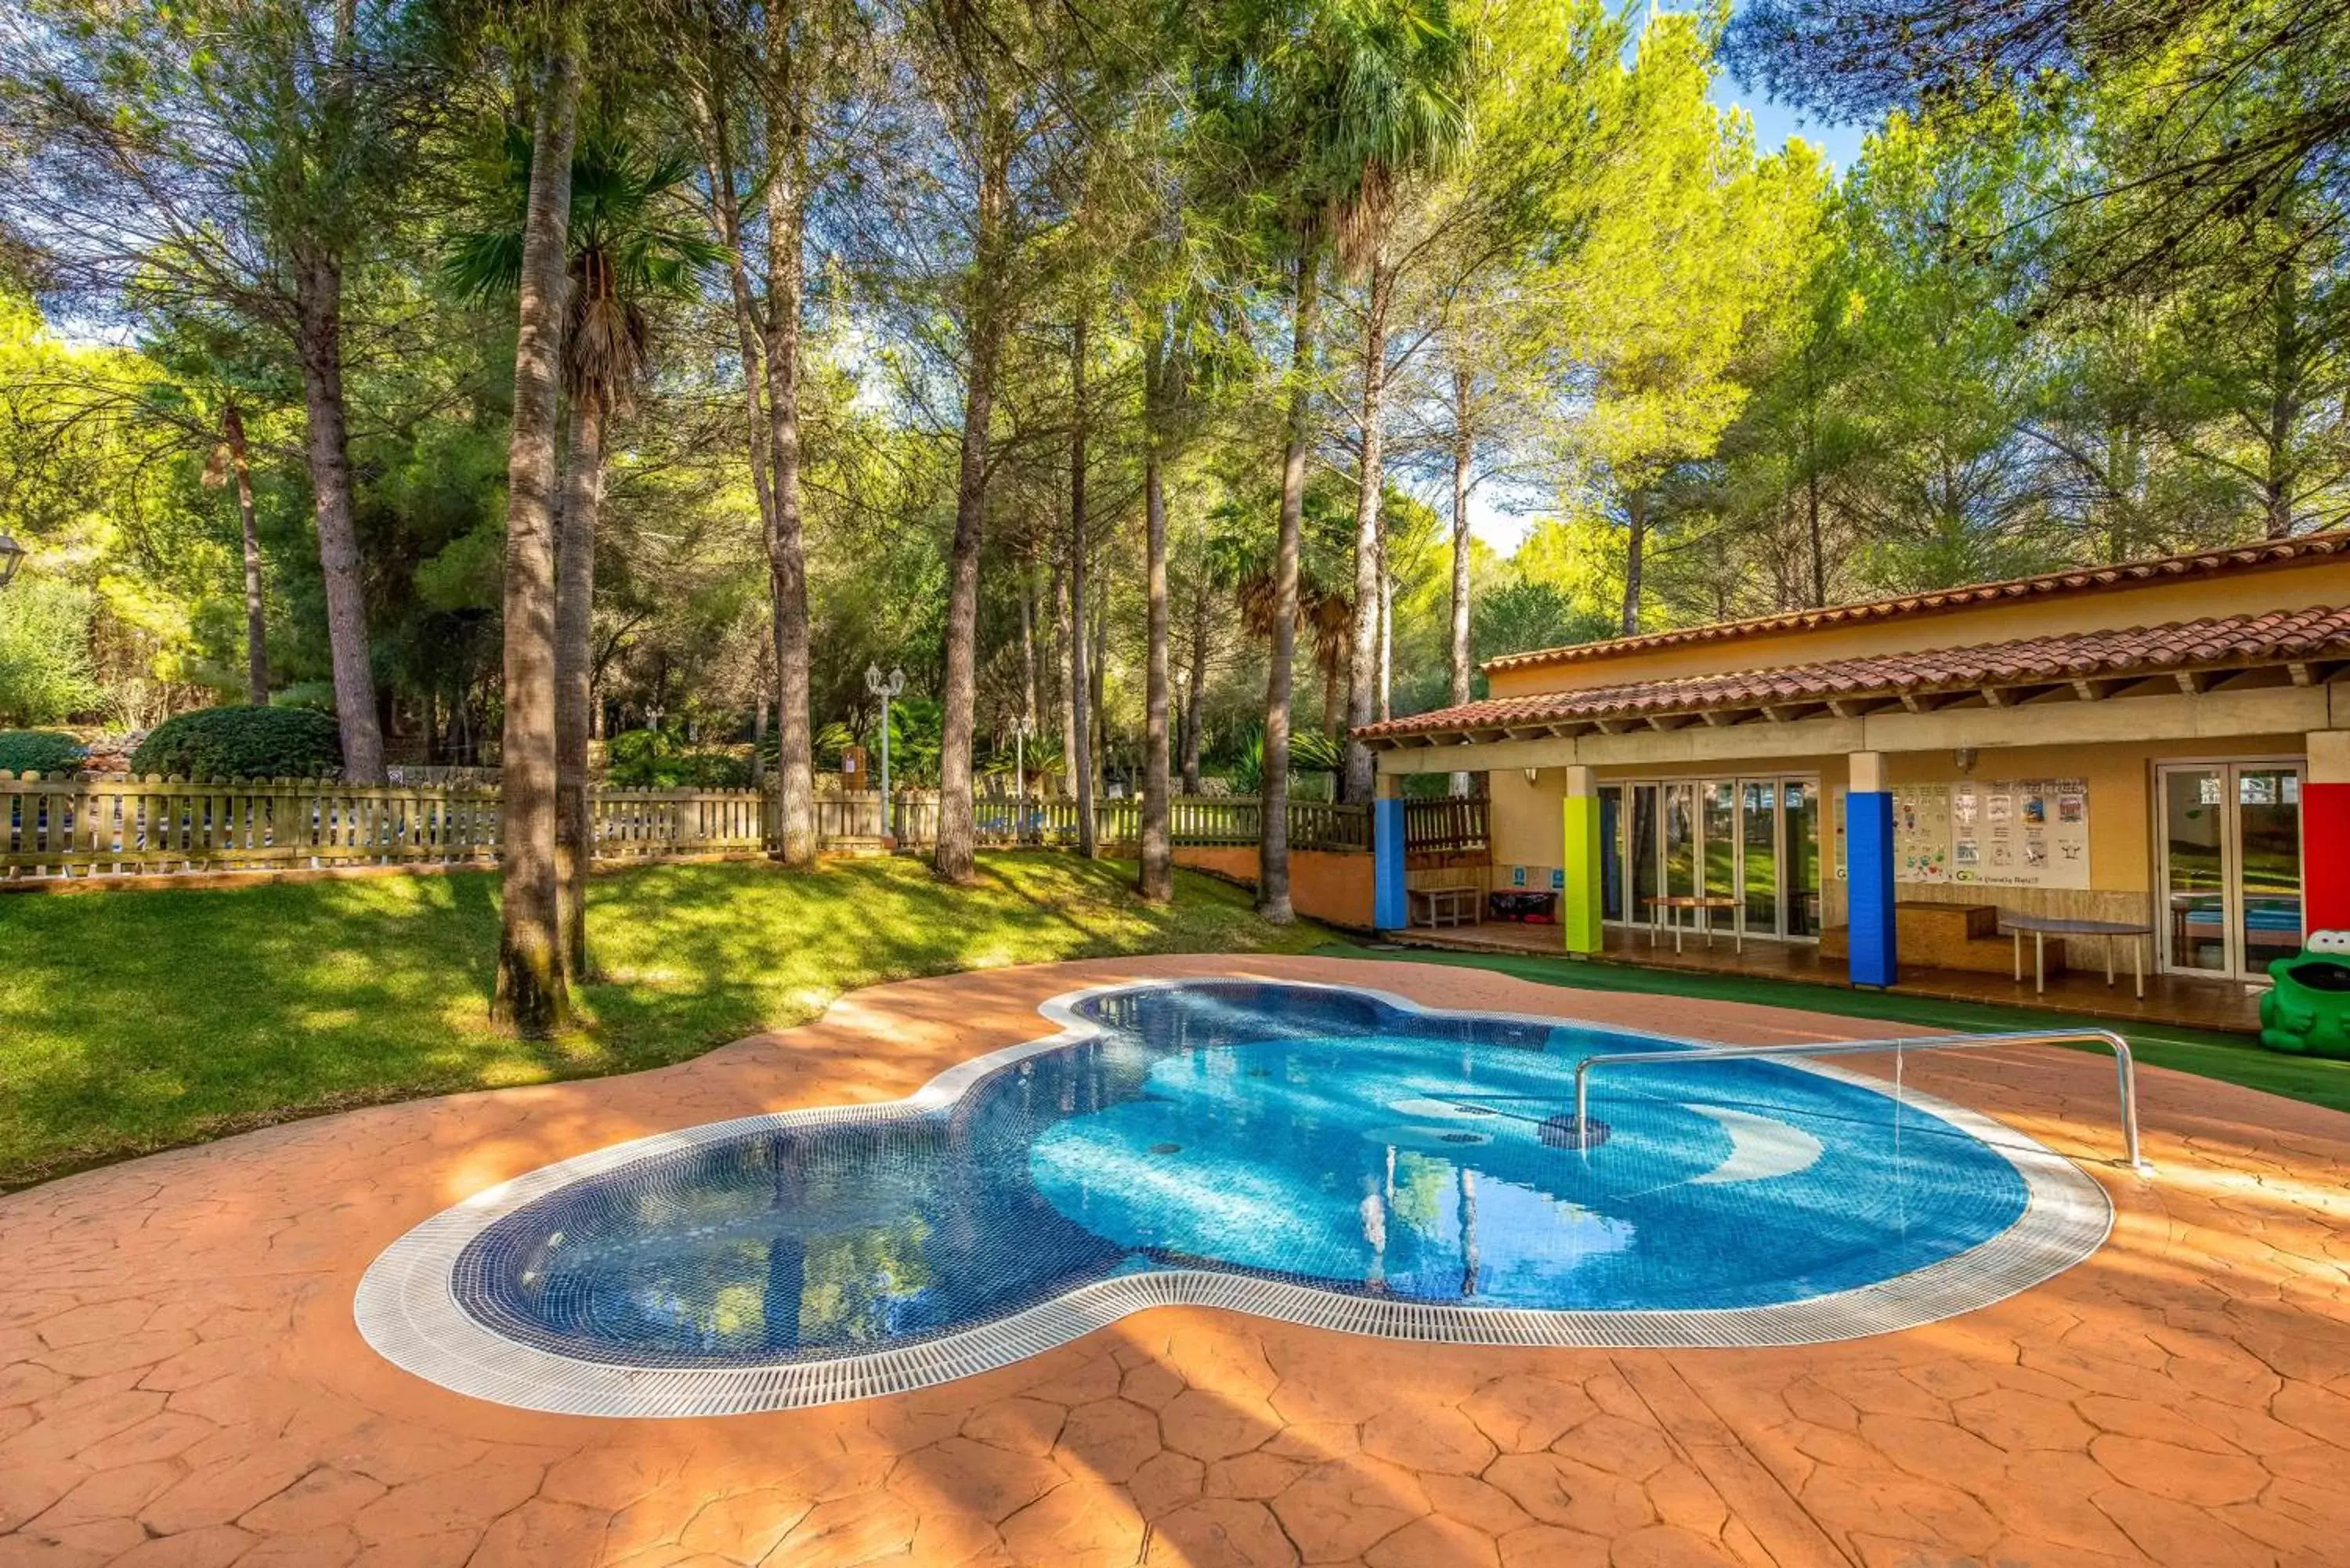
(2195, 869)
(1680, 849)
(1754, 841)
(1612, 824)
(1645, 849)
(1758, 856)
(1720, 849)
(2268, 865)
(2230, 846)
(1800, 859)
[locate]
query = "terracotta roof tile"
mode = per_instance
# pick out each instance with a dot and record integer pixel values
(2085, 579)
(2274, 637)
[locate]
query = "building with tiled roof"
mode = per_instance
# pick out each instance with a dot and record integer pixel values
(2162, 744)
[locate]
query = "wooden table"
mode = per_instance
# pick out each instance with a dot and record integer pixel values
(1659, 905)
(1455, 904)
(2043, 927)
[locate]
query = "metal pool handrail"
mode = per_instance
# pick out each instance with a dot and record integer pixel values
(2125, 1064)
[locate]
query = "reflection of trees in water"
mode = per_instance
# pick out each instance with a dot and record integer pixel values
(814, 1236)
(1417, 1189)
(1468, 1231)
(854, 1284)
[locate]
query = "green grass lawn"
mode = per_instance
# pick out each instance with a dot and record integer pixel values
(2232, 1058)
(134, 1022)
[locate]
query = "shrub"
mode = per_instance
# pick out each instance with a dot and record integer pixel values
(655, 759)
(40, 752)
(242, 742)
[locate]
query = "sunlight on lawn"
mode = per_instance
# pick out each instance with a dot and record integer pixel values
(327, 995)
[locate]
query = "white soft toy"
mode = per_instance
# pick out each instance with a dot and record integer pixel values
(2334, 943)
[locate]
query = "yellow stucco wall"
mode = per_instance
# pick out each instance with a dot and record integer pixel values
(2294, 586)
(1527, 815)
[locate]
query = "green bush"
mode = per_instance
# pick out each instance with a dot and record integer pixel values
(655, 759)
(242, 742)
(40, 752)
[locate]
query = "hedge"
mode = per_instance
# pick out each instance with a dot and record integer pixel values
(40, 752)
(242, 742)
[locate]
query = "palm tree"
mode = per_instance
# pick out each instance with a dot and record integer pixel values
(1391, 75)
(1330, 106)
(621, 253)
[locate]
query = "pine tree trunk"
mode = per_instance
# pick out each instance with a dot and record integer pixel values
(1273, 842)
(1195, 698)
(1819, 544)
(1028, 645)
(574, 607)
(1636, 545)
(1081, 677)
(786, 556)
(1155, 879)
(955, 858)
(720, 159)
(761, 711)
(1097, 677)
(2282, 416)
(531, 996)
(1065, 656)
(1363, 667)
(257, 621)
(318, 302)
(714, 127)
(1386, 637)
(1464, 456)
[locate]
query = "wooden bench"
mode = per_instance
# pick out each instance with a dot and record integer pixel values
(1447, 904)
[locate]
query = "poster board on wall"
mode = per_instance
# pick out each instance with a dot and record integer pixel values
(1994, 833)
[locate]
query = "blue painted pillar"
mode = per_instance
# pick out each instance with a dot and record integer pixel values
(1391, 910)
(1869, 875)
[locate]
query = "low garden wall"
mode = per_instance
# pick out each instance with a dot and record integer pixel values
(1326, 885)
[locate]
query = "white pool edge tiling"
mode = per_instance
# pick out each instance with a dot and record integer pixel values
(407, 1310)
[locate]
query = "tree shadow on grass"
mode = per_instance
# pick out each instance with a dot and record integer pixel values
(132, 1021)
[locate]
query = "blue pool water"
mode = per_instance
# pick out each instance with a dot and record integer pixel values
(1320, 1137)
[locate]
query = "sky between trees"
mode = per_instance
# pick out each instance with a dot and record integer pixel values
(1717, 376)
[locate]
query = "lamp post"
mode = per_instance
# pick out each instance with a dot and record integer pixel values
(1022, 726)
(885, 689)
(12, 555)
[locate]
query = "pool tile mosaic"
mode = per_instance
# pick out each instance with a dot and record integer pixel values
(1285, 1149)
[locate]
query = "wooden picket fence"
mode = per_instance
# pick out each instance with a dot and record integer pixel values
(1449, 825)
(113, 825)
(116, 825)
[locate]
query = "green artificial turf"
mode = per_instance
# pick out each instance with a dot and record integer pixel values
(133, 1022)
(2231, 1058)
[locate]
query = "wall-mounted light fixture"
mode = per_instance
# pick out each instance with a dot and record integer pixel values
(1965, 757)
(1534, 775)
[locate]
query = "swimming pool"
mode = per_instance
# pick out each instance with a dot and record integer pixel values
(1323, 1155)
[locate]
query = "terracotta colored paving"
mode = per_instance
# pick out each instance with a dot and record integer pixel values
(181, 1383)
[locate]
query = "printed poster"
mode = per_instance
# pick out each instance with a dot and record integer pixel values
(1994, 833)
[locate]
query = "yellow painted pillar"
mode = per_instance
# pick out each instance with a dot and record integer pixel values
(1578, 898)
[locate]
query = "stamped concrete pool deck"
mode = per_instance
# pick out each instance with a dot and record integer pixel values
(181, 1382)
